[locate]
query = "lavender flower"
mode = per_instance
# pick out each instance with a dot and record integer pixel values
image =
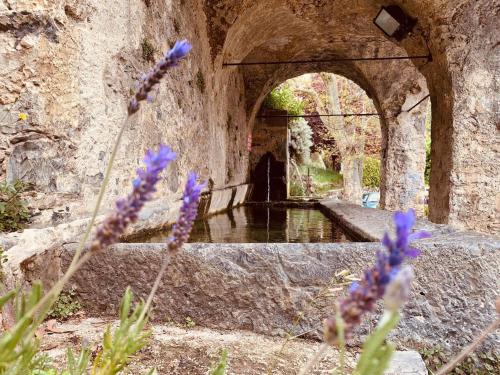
(189, 210)
(127, 209)
(148, 81)
(398, 290)
(363, 295)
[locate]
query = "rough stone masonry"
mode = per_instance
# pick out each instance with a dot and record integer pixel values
(70, 66)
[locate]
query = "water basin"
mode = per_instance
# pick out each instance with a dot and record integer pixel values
(254, 223)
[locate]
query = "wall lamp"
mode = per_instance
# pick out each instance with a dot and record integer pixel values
(394, 22)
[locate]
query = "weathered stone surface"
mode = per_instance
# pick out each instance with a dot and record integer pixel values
(368, 224)
(406, 363)
(241, 194)
(460, 79)
(263, 287)
(155, 215)
(70, 65)
(220, 200)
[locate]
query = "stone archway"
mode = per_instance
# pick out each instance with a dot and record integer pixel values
(461, 150)
(207, 108)
(403, 134)
(394, 87)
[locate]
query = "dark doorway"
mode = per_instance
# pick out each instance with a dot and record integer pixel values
(269, 179)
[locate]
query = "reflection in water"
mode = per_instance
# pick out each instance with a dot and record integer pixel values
(249, 224)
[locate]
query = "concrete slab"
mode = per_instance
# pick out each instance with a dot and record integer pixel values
(406, 363)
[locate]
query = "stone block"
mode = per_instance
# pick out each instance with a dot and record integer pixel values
(406, 363)
(263, 287)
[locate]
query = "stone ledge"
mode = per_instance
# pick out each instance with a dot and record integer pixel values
(370, 224)
(154, 217)
(263, 287)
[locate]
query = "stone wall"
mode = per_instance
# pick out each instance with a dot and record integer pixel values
(461, 79)
(71, 65)
(263, 287)
(284, 31)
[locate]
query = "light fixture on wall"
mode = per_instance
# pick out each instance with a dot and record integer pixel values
(394, 22)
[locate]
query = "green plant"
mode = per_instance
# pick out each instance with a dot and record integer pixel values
(428, 162)
(483, 363)
(148, 50)
(322, 176)
(200, 81)
(323, 180)
(282, 98)
(3, 259)
(65, 306)
(14, 213)
(189, 322)
(377, 352)
(18, 344)
(371, 172)
(221, 367)
(126, 340)
(296, 189)
(19, 354)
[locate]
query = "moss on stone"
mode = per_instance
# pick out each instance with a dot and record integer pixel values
(148, 50)
(200, 81)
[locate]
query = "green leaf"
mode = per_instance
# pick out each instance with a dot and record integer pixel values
(375, 351)
(70, 358)
(122, 343)
(221, 366)
(7, 297)
(77, 367)
(125, 305)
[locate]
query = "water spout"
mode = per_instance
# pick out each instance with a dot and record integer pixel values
(268, 222)
(269, 178)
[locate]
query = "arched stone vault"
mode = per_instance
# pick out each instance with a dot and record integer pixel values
(390, 84)
(74, 81)
(461, 79)
(403, 134)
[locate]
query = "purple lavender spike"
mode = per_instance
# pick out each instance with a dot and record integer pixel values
(127, 209)
(364, 294)
(189, 210)
(148, 81)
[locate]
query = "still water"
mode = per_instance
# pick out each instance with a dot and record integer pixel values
(250, 224)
